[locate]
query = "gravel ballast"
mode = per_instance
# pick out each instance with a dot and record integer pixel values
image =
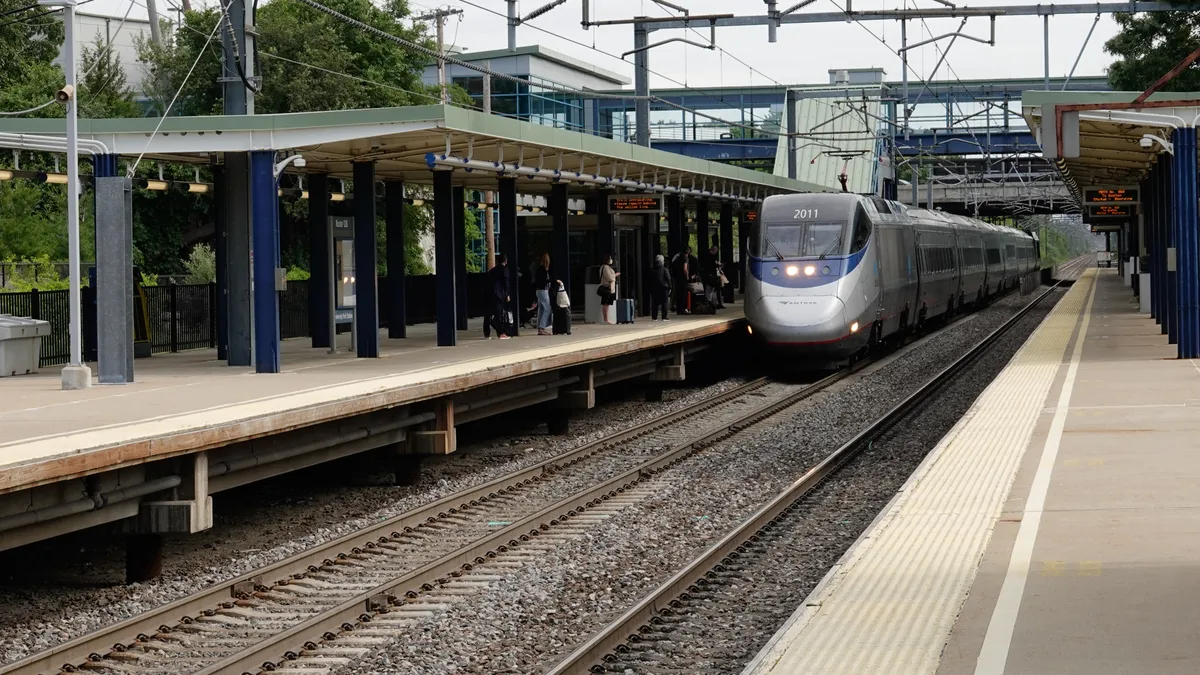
(77, 585)
(535, 615)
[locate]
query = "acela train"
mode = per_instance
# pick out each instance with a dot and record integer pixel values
(830, 275)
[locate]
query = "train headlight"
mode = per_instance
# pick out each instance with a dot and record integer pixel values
(792, 270)
(825, 270)
(809, 270)
(749, 329)
(854, 327)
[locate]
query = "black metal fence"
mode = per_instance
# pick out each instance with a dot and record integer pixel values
(184, 316)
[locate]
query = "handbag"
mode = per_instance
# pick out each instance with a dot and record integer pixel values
(600, 290)
(724, 279)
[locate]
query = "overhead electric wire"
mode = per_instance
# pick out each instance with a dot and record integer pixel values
(167, 111)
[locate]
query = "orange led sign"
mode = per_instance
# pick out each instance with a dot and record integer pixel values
(635, 203)
(1111, 196)
(1110, 210)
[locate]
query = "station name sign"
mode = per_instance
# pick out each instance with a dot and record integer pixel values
(635, 204)
(1110, 210)
(1111, 196)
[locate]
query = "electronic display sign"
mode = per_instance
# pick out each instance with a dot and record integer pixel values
(635, 203)
(1097, 227)
(750, 216)
(1110, 210)
(1110, 196)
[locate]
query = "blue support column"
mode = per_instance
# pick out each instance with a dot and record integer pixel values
(1172, 223)
(221, 238)
(366, 285)
(393, 207)
(443, 249)
(560, 260)
(1146, 189)
(509, 245)
(1188, 254)
(703, 240)
(676, 228)
(320, 281)
(460, 256)
(265, 231)
(726, 241)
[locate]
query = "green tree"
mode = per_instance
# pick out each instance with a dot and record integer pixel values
(1149, 44)
(29, 42)
(103, 89)
(201, 265)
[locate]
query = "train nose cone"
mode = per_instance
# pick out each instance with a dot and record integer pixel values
(799, 319)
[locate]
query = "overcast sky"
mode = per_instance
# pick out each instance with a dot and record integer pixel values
(803, 53)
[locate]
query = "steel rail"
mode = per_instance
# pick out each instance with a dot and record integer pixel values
(359, 609)
(614, 636)
(130, 631)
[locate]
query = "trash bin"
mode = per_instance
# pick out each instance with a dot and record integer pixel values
(20, 344)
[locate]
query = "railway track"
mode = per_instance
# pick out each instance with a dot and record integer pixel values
(265, 619)
(326, 606)
(642, 639)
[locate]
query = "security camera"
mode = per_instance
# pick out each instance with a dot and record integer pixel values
(1146, 142)
(300, 162)
(65, 94)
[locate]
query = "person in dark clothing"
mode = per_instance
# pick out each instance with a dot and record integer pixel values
(496, 308)
(682, 268)
(710, 274)
(660, 289)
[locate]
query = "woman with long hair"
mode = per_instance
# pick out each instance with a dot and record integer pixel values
(541, 285)
(608, 286)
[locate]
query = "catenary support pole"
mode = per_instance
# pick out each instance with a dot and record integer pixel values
(641, 84)
(75, 375)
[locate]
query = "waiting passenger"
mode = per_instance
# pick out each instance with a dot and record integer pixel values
(660, 289)
(608, 287)
(541, 286)
(683, 267)
(711, 273)
(496, 309)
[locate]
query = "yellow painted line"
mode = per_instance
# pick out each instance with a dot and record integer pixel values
(996, 642)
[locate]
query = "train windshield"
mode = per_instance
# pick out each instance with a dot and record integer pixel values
(802, 240)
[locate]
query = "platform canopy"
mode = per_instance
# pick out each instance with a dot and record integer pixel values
(1104, 148)
(408, 143)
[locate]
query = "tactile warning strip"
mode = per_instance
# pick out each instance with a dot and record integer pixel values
(889, 607)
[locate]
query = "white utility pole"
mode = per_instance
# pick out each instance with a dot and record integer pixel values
(75, 375)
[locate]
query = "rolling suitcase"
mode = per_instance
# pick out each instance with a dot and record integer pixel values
(624, 310)
(560, 323)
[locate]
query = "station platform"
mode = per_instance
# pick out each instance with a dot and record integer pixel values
(189, 401)
(1054, 530)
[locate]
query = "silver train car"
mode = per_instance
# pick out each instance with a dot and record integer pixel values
(830, 275)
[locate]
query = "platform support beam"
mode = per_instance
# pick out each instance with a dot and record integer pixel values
(703, 240)
(652, 247)
(560, 260)
(393, 193)
(264, 204)
(366, 286)
(190, 512)
(237, 248)
(676, 228)
(460, 256)
(509, 245)
(726, 241)
(1188, 254)
(320, 283)
(604, 226)
(143, 557)
(441, 438)
(581, 395)
(675, 371)
(443, 248)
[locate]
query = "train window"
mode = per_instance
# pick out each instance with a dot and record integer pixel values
(993, 256)
(881, 205)
(862, 231)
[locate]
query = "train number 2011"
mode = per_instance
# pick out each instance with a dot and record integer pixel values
(804, 214)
